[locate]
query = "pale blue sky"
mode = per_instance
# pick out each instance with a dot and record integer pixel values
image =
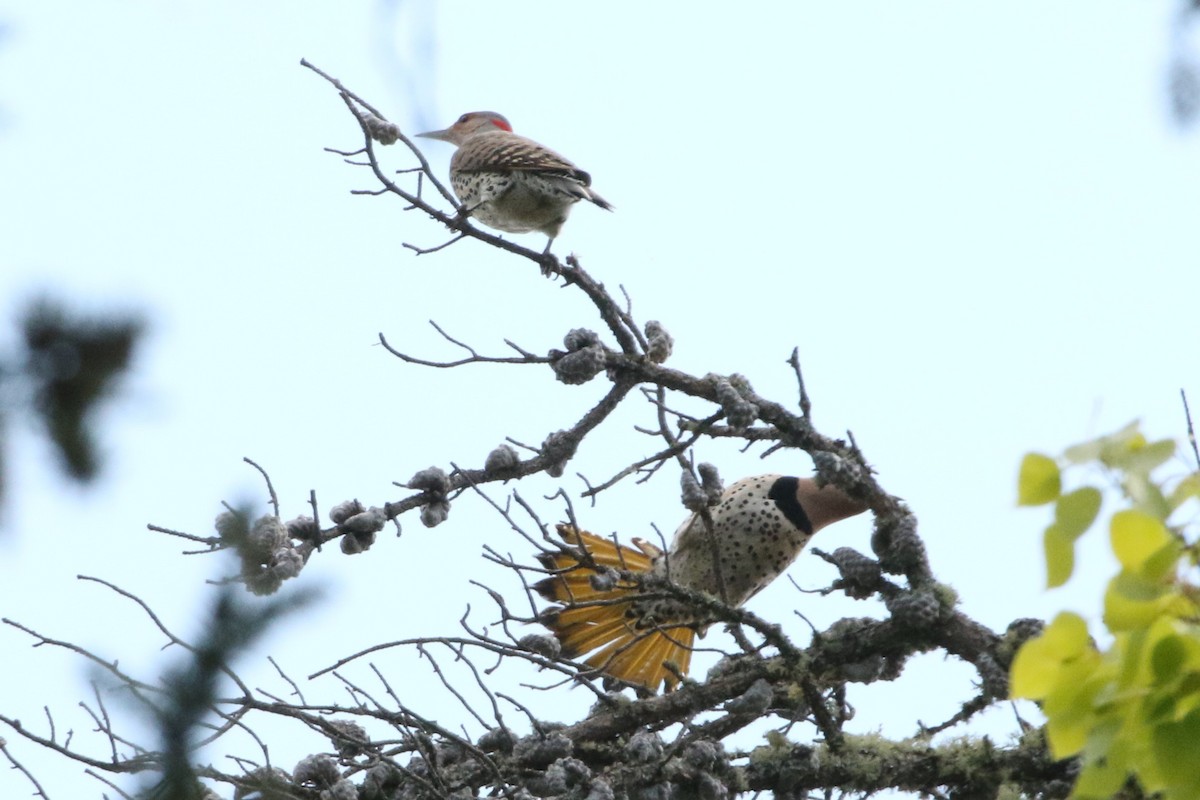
(976, 223)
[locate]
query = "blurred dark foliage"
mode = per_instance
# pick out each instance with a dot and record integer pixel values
(1184, 87)
(68, 364)
(233, 624)
(1183, 69)
(5, 32)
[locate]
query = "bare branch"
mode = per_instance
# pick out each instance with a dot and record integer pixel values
(1191, 430)
(17, 765)
(805, 403)
(267, 479)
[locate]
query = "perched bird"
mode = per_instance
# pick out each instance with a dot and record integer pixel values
(760, 525)
(509, 182)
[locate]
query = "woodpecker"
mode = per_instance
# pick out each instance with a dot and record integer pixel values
(509, 182)
(759, 527)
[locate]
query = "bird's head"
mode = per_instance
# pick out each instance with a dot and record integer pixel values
(468, 125)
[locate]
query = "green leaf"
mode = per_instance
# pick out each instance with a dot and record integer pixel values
(1132, 602)
(1176, 747)
(1133, 671)
(1167, 659)
(1032, 673)
(1099, 778)
(1146, 457)
(1060, 555)
(1039, 481)
(1164, 564)
(1093, 449)
(1077, 510)
(1136, 536)
(1070, 706)
(1084, 452)
(1036, 668)
(1146, 494)
(1066, 737)
(1115, 447)
(1185, 490)
(1068, 635)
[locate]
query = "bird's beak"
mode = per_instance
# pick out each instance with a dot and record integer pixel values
(442, 135)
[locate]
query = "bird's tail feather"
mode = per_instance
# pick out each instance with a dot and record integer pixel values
(598, 200)
(596, 616)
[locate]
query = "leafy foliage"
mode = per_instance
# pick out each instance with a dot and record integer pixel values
(68, 365)
(74, 363)
(1131, 709)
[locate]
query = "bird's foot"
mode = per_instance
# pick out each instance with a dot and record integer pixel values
(549, 261)
(551, 267)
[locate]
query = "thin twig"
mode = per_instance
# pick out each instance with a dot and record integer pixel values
(17, 765)
(270, 486)
(805, 403)
(1191, 431)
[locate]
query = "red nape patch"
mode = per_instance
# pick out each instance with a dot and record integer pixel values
(502, 124)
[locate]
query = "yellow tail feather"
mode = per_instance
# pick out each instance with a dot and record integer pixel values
(576, 586)
(606, 552)
(582, 638)
(601, 621)
(639, 657)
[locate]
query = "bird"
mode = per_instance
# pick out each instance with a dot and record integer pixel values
(511, 183)
(760, 525)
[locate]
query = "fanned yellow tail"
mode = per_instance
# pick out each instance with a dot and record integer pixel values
(604, 621)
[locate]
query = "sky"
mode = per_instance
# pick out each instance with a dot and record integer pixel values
(976, 223)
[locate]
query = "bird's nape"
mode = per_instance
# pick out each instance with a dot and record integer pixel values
(469, 124)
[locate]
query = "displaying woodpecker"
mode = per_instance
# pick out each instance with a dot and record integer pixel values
(759, 527)
(509, 182)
